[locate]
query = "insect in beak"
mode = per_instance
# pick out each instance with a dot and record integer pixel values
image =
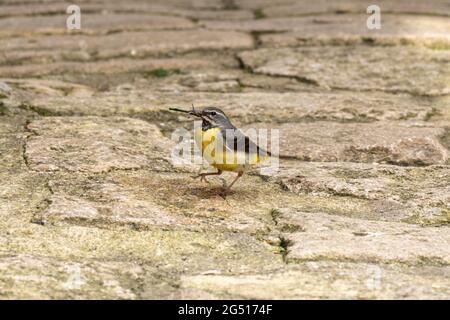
(192, 112)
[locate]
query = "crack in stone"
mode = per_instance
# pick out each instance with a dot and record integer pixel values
(37, 110)
(93, 57)
(445, 140)
(282, 242)
(24, 147)
(37, 217)
(422, 262)
(299, 79)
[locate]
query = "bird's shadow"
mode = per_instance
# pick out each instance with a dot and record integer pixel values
(209, 192)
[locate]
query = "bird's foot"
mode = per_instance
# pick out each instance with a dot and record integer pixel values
(202, 177)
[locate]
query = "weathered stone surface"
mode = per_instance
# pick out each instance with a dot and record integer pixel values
(172, 252)
(4, 89)
(258, 4)
(381, 142)
(135, 44)
(232, 15)
(147, 263)
(195, 5)
(336, 29)
(260, 25)
(91, 24)
(30, 277)
(251, 82)
(323, 236)
(297, 8)
(123, 264)
(103, 67)
(248, 107)
(11, 141)
(37, 87)
(10, 150)
(13, 9)
(208, 81)
(95, 144)
(392, 193)
(320, 280)
(129, 7)
(342, 28)
(443, 114)
(92, 206)
(145, 201)
(392, 69)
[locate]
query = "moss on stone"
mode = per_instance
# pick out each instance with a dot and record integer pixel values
(441, 219)
(161, 73)
(259, 14)
(439, 45)
(3, 109)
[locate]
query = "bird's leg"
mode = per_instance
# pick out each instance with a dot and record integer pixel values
(202, 176)
(235, 179)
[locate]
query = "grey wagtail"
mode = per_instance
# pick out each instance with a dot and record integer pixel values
(224, 146)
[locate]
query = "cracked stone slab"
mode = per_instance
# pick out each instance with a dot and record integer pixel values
(329, 280)
(206, 80)
(433, 7)
(91, 24)
(406, 144)
(169, 201)
(184, 4)
(333, 29)
(138, 231)
(390, 69)
(415, 195)
(127, 44)
(5, 90)
(258, 25)
(36, 87)
(444, 111)
(101, 104)
(137, 4)
(11, 150)
(130, 7)
(21, 193)
(95, 144)
(161, 257)
(329, 237)
(163, 254)
(248, 107)
(29, 277)
(188, 11)
(114, 66)
(351, 29)
(261, 106)
(258, 4)
(26, 276)
(12, 136)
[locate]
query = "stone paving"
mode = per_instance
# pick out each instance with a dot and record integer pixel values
(91, 205)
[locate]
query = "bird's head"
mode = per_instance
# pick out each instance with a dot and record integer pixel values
(212, 117)
(216, 118)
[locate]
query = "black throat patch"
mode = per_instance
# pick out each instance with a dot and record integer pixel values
(206, 125)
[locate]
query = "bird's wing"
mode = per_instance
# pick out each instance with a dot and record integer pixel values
(239, 142)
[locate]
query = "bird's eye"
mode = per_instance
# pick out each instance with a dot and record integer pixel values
(213, 113)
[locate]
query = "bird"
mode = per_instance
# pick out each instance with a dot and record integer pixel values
(223, 146)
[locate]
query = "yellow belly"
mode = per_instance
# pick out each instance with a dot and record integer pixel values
(218, 156)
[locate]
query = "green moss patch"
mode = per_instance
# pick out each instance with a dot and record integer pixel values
(161, 73)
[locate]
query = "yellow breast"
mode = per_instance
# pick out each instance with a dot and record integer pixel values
(215, 153)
